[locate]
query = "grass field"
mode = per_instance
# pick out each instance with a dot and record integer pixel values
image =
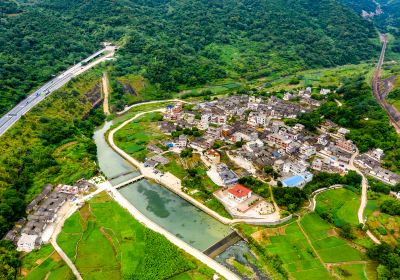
(329, 246)
(301, 250)
(357, 271)
(325, 77)
(106, 242)
(290, 244)
(44, 263)
(342, 203)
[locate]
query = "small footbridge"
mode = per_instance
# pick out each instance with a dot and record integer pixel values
(130, 181)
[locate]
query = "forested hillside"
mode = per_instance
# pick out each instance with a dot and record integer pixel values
(179, 43)
(387, 21)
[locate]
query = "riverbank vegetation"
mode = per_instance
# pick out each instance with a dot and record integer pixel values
(105, 242)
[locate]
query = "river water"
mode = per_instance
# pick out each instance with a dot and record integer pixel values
(157, 203)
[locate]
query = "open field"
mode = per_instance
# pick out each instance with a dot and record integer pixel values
(44, 263)
(356, 271)
(323, 77)
(329, 246)
(291, 246)
(135, 136)
(105, 242)
(341, 203)
(301, 251)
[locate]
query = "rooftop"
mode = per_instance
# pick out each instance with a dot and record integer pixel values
(239, 191)
(293, 181)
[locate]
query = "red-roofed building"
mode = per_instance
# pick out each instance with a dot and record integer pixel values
(239, 193)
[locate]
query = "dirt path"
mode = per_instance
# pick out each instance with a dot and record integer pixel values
(309, 242)
(106, 93)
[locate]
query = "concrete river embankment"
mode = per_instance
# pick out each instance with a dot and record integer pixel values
(169, 210)
(157, 203)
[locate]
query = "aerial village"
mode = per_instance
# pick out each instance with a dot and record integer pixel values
(254, 135)
(43, 213)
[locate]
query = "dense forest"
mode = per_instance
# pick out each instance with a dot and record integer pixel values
(177, 44)
(9, 7)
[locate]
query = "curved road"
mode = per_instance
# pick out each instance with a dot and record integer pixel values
(364, 196)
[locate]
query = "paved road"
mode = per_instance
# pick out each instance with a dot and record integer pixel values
(39, 95)
(364, 196)
(127, 108)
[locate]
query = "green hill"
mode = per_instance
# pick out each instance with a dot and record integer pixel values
(178, 44)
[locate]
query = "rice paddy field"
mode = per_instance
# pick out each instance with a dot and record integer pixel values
(44, 263)
(105, 242)
(291, 245)
(327, 243)
(311, 248)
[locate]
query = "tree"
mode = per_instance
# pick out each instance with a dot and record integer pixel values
(9, 261)
(268, 170)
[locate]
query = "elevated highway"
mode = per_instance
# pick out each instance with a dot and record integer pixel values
(43, 92)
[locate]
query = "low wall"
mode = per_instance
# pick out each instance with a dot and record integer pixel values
(260, 222)
(315, 193)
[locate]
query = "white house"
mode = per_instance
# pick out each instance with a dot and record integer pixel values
(239, 193)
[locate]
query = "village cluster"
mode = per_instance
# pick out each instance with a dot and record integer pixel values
(258, 125)
(43, 211)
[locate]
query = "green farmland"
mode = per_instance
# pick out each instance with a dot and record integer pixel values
(106, 242)
(290, 244)
(328, 245)
(342, 203)
(135, 136)
(310, 248)
(44, 263)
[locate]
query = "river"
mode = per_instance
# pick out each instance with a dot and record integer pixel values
(157, 203)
